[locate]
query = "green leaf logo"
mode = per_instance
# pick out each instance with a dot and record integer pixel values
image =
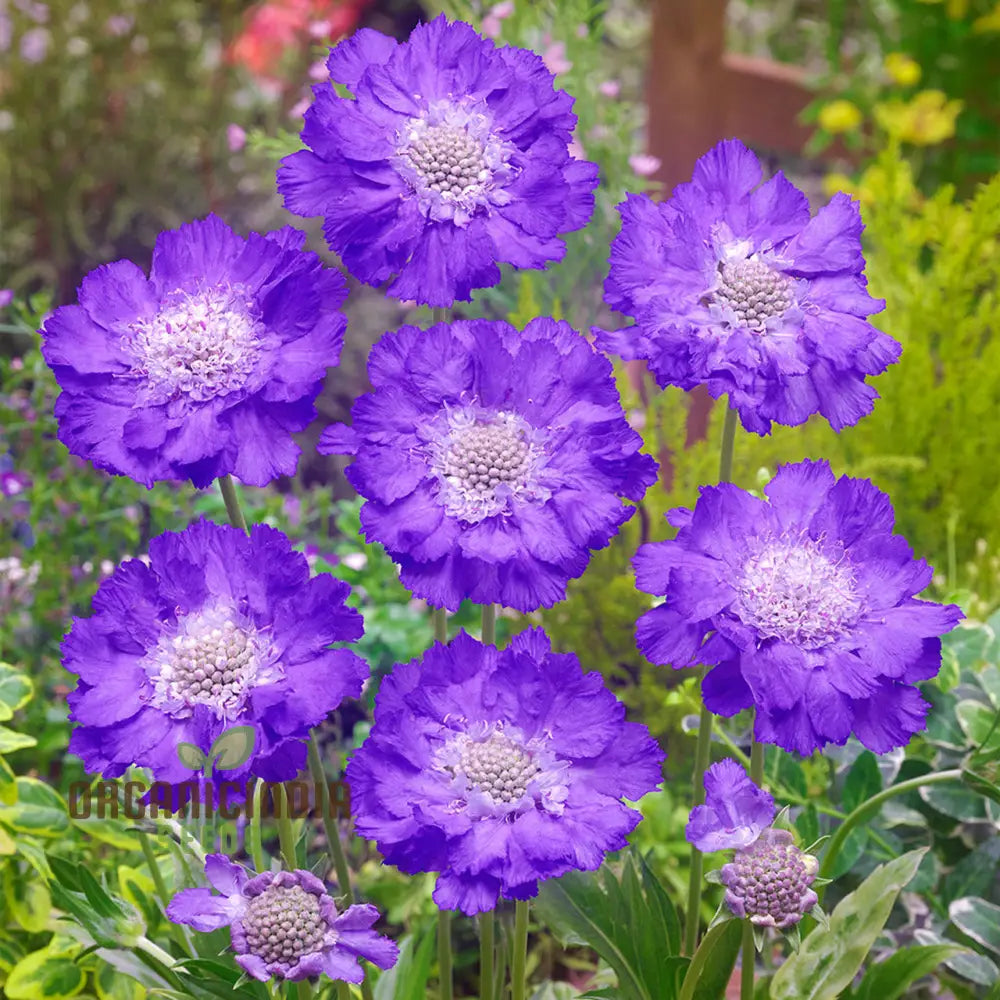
(191, 756)
(233, 747)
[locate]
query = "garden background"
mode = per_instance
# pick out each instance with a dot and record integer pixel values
(120, 119)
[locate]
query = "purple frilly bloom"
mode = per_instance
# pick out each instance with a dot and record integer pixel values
(804, 607)
(284, 924)
(451, 158)
(492, 461)
(733, 286)
(219, 630)
(206, 367)
(498, 768)
(735, 810)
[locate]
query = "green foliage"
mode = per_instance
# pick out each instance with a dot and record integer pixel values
(111, 135)
(626, 916)
(829, 957)
(887, 980)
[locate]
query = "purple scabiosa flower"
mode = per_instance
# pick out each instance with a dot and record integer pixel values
(732, 285)
(735, 810)
(203, 369)
(219, 630)
(492, 461)
(498, 769)
(284, 924)
(804, 606)
(769, 881)
(452, 157)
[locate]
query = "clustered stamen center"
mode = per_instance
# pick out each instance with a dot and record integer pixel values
(498, 766)
(447, 158)
(284, 923)
(772, 880)
(754, 291)
(481, 457)
(794, 592)
(210, 666)
(202, 346)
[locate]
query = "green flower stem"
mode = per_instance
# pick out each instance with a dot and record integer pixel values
(489, 632)
(232, 502)
(867, 809)
(285, 835)
(439, 617)
(304, 991)
(749, 948)
(487, 926)
(343, 990)
(333, 843)
(180, 932)
(154, 869)
(254, 840)
(703, 748)
(728, 446)
(519, 959)
(155, 951)
(444, 955)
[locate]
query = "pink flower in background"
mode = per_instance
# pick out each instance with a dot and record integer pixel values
(644, 164)
(6, 297)
(118, 25)
(34, 45)
(236, 137)
(610, 88)
(318, 71)
(555, 59)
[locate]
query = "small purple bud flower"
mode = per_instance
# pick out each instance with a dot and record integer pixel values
(284, 924)
(769, 881)
(735, 810)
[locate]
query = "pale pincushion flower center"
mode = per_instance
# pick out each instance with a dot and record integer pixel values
(211, 661)
(771, 879)
(791, 590)
(202, 345)
(446, 158)
(753, 291)
(481, 457)
(284, 923)
(498, 766)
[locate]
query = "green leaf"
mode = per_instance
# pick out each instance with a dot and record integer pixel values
(39, 809)
(977, 919)
(862, 783)
(15, 691)
(115, 832)
(977, 720)
(624, 914)
(8, 786)
(27, 898)
(191, 756)
(829, 959)
(41, 976)
(712, 964)
(233, 747)
(11, 953)
(11, 740)
(407, 979)
(887, 980)
(974, 874)
(110, 984)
